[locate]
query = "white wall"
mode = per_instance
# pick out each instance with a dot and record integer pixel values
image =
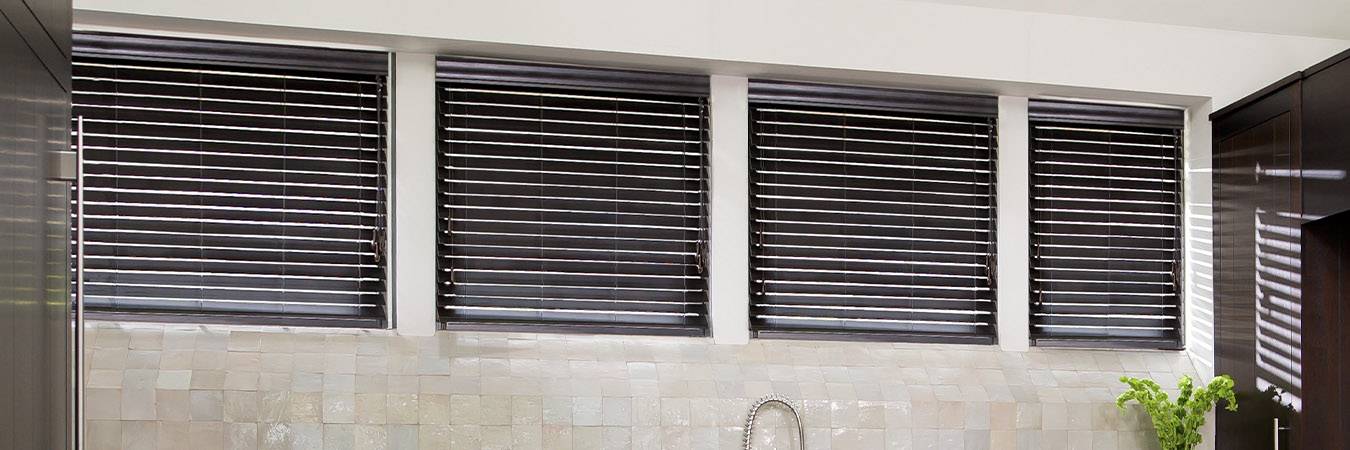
(992, 50)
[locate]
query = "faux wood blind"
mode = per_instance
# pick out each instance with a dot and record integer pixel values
(232, 182)
(872, 213)
(571, 199)
(1106, 225)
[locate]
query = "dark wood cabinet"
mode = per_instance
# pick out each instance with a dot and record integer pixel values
(1326, 258)
(1280, 161)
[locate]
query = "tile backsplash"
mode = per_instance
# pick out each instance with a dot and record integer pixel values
(268, 388)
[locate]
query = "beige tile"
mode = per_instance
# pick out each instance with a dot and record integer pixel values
(139, 379)
(557, 411)
(371, 437)
(108, 359)
(1003, 440)
(305, 407)
(496, 437)
(675, 438)
(339, 407)
(139, 435)
(1080, 416)
(176, 359)
(433, 437)
(339, 436)
(924, 414)
(241, 436)
(208, 379)
(243, 362)
(274, 406)
(274, 381)
(145, 339)
(241, 381)
(557, 437)
(206, 405)
(466, 437)
(496, 410)
(276, 362)
(172, 404)
(527, 436)
(274, 436)
(138, 404)
(401, 409)
(277, 343)
(528, 410)
(674, 412)
(104, 379)
(174, 379)
(306, 436)
(103, 435)
(309, 362)
(1105, 417)
(1029, 416)
(206, 435)
(1003, 416)
(1055, 416)
(103, 404)
(209, 360)
(241, 406)
(433, 409)
(951, 415)
(370, 408)
(467, 410)
(588, 438)
(143, 359)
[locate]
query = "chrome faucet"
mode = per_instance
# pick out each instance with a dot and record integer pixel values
(774, 398)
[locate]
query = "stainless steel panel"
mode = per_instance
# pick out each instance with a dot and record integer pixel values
(34, 284)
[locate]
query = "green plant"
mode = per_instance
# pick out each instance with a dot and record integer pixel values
(1177, 423)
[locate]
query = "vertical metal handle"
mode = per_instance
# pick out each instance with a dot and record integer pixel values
(79, 443)
(1278, 429)
(1277, 433)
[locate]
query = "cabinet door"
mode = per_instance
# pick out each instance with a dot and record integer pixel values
(1258, 213)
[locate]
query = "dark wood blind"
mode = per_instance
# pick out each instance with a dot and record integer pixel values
(571, 199)
(1106, 225)
(871, 218)
(231, 191)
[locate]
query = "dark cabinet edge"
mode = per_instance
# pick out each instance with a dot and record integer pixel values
(1342, 56)
(1256, 96)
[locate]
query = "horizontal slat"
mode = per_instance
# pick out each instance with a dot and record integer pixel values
(518, 73)
(865, 98)
(125, 47)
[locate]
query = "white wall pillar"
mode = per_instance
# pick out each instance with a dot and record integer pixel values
(1014, 215)
(412, 269)
(729, 211)
(1198, 215)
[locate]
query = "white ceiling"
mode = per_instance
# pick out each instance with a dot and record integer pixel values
(1311, 18)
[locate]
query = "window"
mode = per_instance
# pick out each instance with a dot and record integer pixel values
(1106, 225)
(571, 199)
(872, 213)
(232, 182)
